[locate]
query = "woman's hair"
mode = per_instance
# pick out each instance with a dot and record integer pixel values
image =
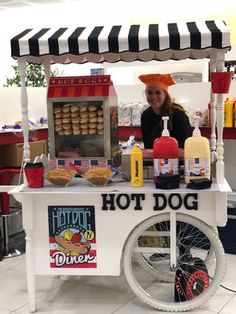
(168, 109)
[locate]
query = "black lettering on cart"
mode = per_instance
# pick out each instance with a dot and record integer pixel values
(178, 199)
(194, 204)
(160, 205)
(122, 201)
(138, 198)
(174, 200)
(123, 198)
(106, 202)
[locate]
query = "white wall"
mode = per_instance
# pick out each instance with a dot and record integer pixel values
(10, 108)
(194, 95)
(191, 95)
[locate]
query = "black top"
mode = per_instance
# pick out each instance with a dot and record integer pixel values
(152, 127)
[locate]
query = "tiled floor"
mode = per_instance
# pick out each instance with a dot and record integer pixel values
(92, 295)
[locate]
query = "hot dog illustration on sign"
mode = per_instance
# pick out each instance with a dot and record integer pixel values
(72, 236)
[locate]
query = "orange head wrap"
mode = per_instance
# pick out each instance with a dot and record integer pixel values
(157, 80)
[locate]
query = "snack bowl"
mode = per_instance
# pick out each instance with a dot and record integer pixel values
(98, 176)
(60, 176)
(96, 181)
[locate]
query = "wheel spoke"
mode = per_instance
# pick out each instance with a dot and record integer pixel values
(199, 265)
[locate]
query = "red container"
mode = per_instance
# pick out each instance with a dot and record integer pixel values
(166, 157)
(220, 82)
(35, 177)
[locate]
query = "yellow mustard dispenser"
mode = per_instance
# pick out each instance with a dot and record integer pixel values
(234, 110)
(228, 113)
(196, 155)
(136, 165)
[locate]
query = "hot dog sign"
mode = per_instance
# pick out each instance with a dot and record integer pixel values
(72, 237)
(161, 201)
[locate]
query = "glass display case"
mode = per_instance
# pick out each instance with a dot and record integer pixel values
(83, 119)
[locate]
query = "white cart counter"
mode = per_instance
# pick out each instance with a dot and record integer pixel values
(113, 211)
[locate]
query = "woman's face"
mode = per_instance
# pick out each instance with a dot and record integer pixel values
(155, 97)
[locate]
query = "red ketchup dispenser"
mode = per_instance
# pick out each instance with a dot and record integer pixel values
(166, 160)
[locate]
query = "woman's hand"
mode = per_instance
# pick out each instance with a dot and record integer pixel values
(181, 153)
(147, 153)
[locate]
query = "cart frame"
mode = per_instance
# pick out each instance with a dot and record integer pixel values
(135, 42)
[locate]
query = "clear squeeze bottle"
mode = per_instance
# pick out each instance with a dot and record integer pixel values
(166, 158)
(196, 155)
(136, 165)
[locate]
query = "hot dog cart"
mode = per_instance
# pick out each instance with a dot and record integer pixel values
(88, 230)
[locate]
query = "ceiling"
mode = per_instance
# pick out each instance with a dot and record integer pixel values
(9, 4)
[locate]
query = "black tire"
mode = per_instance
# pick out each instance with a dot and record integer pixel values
(195, 241)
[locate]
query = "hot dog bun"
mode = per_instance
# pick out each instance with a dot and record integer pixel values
(92, 108)
(57, 110)
(79, 248)
(74, 108)
(58, 115)
(83, 108)
(58, 121)
(75, 120)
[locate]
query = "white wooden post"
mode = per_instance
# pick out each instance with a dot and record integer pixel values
(173, 239)
(24, 111)
(47, 70)
(220, 124)
(28, 225)
(213, 117)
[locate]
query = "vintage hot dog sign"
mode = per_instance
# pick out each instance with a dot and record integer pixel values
(72, 236)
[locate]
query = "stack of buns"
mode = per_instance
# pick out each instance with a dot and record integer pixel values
(78, 119)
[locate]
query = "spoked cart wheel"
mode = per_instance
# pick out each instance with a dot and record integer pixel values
(174, 264)
(153, 238)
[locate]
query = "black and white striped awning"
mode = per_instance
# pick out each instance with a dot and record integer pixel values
(121, 43)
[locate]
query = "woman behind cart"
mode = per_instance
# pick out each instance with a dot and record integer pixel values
(161, 104)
